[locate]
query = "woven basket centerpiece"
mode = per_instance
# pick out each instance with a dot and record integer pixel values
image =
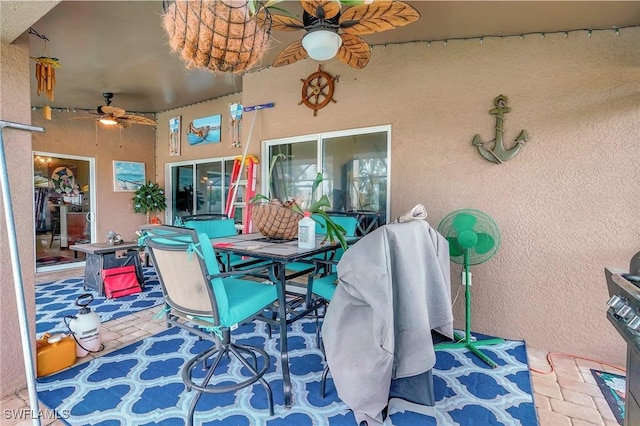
(273, 220)
(218, 35)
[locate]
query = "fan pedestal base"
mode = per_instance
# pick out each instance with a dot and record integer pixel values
(471, 345)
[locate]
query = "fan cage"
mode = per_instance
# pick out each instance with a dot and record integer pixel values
(484, 224)
(220, 36)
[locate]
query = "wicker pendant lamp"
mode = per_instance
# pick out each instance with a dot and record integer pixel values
(218, 35)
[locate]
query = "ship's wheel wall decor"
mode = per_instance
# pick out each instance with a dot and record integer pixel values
(318, 89)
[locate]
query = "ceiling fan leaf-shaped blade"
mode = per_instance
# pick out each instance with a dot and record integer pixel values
(136, 119)
(285, 23)
(464, 222)
(485, 244)
(329, 8)
(354, 51)
(115, 111)
(378, 16)
(292, 53)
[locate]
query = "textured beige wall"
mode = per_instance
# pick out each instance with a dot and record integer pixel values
(15, 106)
(567, 205)
(65, 135)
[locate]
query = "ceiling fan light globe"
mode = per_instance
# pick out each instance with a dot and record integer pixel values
(322, 45)
(108, 121)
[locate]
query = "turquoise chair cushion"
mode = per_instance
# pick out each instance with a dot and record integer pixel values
(237, 299)
(325, 286)
(246, 298)
(349, 223)
(213, 227)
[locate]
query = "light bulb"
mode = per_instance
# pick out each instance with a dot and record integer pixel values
(322, 45)
(108, 121)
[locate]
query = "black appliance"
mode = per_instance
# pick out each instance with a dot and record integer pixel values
(624, 314)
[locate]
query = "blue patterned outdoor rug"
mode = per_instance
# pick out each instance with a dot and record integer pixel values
(613, 388)
(140, 385)
(55, 300)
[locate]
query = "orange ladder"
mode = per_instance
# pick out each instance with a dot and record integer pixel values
(249, 190)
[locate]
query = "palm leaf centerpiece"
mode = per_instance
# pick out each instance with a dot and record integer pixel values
(279, 219)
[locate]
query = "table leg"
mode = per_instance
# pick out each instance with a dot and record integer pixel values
(278, 277)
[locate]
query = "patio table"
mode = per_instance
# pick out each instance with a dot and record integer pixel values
(279, 253)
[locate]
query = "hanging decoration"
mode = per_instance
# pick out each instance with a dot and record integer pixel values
(45, 72)
(317, 90)
(499, 154)
(225, 35)
(46, 75)
(235, 112)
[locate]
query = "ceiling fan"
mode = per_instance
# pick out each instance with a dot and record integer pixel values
(331, 32)
(112, 115)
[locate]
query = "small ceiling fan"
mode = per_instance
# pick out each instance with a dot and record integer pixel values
(331, 32)
(112, 115)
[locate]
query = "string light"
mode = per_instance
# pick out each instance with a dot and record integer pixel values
(542, 35)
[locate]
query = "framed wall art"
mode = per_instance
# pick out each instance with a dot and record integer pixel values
(127, 176)
(204, 130)
(174, 136)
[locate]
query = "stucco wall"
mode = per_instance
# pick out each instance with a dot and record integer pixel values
(15, 106)
(65, 134)
(567, 205)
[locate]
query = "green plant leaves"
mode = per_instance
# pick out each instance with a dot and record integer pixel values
(149, 198)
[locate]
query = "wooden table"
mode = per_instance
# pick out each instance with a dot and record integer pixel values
(101, 256)
(279, 254)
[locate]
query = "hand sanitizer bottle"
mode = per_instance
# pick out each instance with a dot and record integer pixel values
(307, 232)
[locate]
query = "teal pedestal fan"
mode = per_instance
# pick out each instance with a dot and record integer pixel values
(473, 239)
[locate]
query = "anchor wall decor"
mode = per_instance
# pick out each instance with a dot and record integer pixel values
(499, 154)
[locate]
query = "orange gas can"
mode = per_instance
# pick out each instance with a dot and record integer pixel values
(54, 353)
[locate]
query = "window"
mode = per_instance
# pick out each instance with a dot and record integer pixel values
(354, 165)
(198, 187)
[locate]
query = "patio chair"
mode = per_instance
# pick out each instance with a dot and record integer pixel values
(208, 303)
(349, 223)
(394, 291)
(320, 287)
(309, 266)
(216, 226)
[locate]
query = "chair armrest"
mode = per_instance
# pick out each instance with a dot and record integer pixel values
(239, 273)
(324, 266)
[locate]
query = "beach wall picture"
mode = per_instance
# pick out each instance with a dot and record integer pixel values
(204, 130)
(127, 176)
(174, 136)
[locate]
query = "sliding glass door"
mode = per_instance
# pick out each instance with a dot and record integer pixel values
(354, 165)
(198, 187)
(63, 206)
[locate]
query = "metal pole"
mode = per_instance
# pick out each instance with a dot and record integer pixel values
(17, 272)
(246, 149)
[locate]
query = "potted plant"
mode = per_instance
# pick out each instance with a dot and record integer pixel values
(279, 219)
(149, 198)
